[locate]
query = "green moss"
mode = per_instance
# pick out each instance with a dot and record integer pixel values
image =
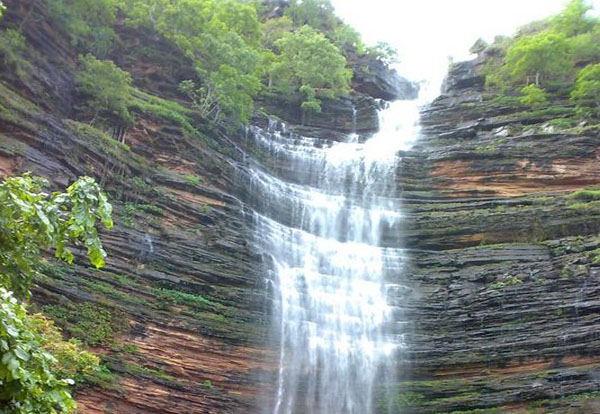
(405, 399)
(175, 297)
(509, 281)
(192, 179)
(584, 206)
(92, 324)
(585, 194)
(566, 399)
(136, 369)
(164, 109)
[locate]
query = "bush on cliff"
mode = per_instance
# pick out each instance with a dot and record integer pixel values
(107, 87)
(533, 95)
(586, 94)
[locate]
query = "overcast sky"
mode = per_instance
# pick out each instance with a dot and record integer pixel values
(427, 32)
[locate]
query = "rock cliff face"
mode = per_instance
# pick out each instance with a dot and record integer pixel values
(504, 280)
(504, 274)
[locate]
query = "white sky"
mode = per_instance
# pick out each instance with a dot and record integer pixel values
(427, 32)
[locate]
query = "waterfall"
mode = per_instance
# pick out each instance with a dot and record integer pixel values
(320, 210)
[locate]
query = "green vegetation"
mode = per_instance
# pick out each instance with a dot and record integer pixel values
(172, 297)
(533, 95)
(509, 281)
(37, 366)
(585, 194)
(13, 47)
(92, 324)
(26, 375)
(559, 55)
(108, 88)
(234, 54)
(31, 220)
(586, 94)
(312, 65)
(89, 23)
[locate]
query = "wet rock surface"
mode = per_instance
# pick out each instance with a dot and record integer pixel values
(504, 259)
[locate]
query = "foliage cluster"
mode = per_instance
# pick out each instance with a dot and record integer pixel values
(236, 56)
(13, 47)
(559, 53)
(89, 23)
(234, 53)
(36, 365)
(28, 384)
(108, 88)
(31, 221)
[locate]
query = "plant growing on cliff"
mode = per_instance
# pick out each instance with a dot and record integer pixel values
(222, 38)
(28, 384)
(539, 58)
(13, 47)
(586, 94)
(533, 95)
(107, 87)
(310, 67)
(317, 14)
(32, 221)
(89, 23)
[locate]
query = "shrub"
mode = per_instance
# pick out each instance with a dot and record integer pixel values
(533, 95)
(586, 94)
(92, 324)
(13, 46)
(107, 87)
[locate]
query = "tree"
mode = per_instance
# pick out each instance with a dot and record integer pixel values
(89, 23)
(32, 380)
(275, 29)
(479, 46)
(317, 14)
(383, 52)
(573, 20)
(311, 65)
(2, 9)
(221, 37)
(539, 57)
(107, 86)
(32, 221)
(533, 95)
(586, 94)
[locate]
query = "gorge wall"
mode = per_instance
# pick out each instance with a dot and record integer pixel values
(504, 269)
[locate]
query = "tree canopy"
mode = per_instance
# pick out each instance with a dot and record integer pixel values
(561, 50)
(234, 53)
(586, 94)
(310, 64)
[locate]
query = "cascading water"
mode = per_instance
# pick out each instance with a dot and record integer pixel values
(320, 214)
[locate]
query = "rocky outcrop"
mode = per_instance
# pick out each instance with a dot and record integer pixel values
(504, 247)
(372, 77)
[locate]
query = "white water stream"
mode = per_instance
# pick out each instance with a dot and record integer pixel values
(322, 227)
